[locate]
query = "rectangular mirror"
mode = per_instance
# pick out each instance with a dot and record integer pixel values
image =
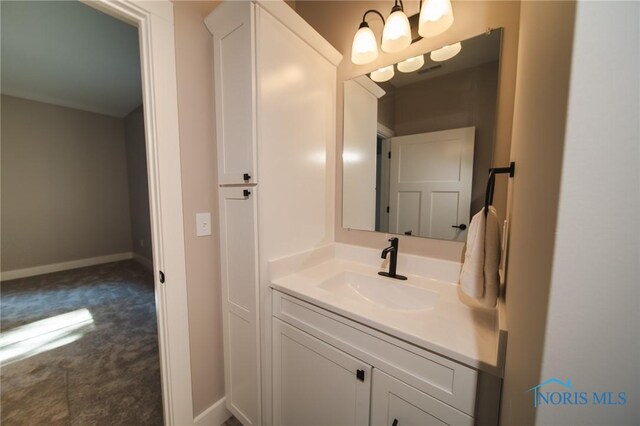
(418, 144)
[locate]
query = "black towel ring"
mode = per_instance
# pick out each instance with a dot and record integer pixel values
(491, 183)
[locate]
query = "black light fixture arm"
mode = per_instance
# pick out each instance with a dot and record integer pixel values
(398, 6)
(364, 17)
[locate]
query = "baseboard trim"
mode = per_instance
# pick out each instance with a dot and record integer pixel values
(143, 261)
(63, 266)
(215, 415)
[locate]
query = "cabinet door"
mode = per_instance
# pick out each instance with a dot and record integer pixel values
(394, 403)
(232, 26)
(238, 247)
(315, 383)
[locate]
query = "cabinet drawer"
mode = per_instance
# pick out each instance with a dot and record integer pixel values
(396, 403)
(446, 380)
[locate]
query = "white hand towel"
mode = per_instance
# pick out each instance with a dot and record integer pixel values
(479, 277)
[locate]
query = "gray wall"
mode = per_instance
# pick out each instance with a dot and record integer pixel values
(137, 182)
(64, 185)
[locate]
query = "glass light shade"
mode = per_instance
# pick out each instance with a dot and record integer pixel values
(382, 74)
(436, 16)
(396, 34)
(446, 52)
(411, 64)
(365, 48)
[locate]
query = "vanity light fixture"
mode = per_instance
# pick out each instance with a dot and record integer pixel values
(436, 16)
(411, 64)
(364, 49)
(396, 34)
(382, 74)
(446, 52)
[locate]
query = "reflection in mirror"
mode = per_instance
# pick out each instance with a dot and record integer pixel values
(418, 141)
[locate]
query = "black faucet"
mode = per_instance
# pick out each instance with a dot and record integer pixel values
(393, 262)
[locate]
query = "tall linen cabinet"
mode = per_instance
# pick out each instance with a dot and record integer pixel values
(275, 102)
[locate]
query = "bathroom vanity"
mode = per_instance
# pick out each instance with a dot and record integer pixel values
(312, 334)
(351, 347)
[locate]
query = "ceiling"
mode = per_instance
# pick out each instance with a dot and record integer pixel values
(67, 53)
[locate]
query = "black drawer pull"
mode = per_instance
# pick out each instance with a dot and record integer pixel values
(360, 375)
(246, 176)
(395, 422)
(246, 192)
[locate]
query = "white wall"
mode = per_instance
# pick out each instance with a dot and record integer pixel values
(593, 319)
(572, 281)
(64, 185)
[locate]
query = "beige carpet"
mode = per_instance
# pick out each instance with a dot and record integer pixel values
(80, 347)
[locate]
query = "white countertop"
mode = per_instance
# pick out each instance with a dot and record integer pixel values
(452, 329)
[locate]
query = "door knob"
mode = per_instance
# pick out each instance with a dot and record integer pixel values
(461, 227)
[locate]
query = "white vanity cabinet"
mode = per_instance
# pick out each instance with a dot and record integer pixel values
(233, 30)
(275, 83)
(395, 403)
(239, 275)
(313, 376)
(317, 356)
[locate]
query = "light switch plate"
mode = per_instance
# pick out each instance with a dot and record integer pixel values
(203, 224)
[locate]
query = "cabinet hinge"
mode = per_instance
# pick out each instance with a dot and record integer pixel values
(161, 277)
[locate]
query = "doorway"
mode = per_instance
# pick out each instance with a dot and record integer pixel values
(160, 122)
(79, 336)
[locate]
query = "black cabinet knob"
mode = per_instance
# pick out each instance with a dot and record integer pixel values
(461, 227)
(246, 176)
(246, 192)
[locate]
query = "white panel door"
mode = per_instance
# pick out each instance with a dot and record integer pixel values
(234, 63)
(238, 254)
(315, 383)
(359, 157)
(395, 403)
(430, 184)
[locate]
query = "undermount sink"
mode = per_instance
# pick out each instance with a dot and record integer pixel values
(385, 292)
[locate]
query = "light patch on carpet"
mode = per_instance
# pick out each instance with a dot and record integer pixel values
(44, 335)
